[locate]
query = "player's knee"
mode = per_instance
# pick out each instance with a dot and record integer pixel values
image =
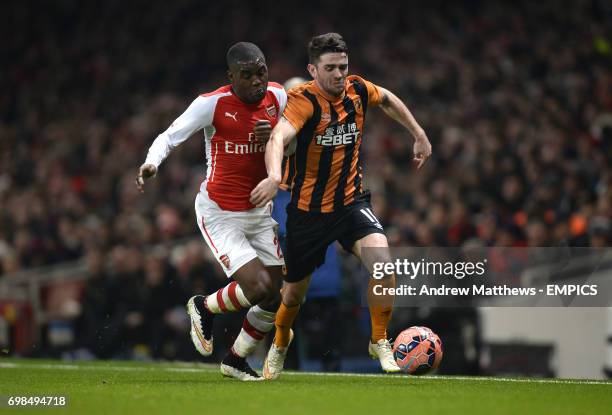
(261, 288)
(272, 301)
(292, 295)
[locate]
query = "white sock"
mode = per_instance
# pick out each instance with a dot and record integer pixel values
(257, 324)
(228, 298)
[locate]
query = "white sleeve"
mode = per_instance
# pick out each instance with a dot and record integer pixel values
(197, 116)
(281, 96)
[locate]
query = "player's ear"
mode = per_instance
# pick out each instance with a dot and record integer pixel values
(230, 75)
(312, 70)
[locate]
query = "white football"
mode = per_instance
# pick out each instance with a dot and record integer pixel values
(290, 148)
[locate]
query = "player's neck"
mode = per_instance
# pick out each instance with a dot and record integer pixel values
(244, 101)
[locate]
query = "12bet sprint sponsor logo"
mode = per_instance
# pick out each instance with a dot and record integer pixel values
(341, 134)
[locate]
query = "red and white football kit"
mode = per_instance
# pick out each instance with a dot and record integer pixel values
(233, 228)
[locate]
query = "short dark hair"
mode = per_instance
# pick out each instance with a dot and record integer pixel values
(243, 52)
(329, 42)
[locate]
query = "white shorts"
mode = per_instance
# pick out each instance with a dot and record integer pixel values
(236, 238)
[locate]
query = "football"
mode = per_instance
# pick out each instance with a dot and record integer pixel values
(417, 350)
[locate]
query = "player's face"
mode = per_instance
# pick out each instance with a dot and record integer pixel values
(250, 80)
(330, 72)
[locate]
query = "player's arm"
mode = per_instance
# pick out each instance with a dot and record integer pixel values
(193, 119)
(396, 109)
(280, 137)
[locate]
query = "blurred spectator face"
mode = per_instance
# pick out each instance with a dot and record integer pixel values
(119, 258)
(22, 240)
(95, 262)
(180, 260)
(424, 235)
(561, 231)
(330, 72)
(134, 260)
(168, 222)
(599, 232)
(512, 189)
(604, 205)
(504, 238)
(10, 264)
(196, 252)
(458, 211)
(487, 227)
(537, 235)
(154, 271)
(437, 216)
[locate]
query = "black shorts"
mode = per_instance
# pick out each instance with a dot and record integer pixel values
(310, 233)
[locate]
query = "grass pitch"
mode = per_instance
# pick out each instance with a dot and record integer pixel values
(165, 388)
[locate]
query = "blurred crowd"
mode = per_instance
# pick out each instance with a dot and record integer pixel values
(516, 99)
(132, 305)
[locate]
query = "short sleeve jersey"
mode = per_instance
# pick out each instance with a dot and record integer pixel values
(325, 173)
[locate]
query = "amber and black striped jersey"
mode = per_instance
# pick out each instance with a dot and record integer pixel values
(325, 172)
(288, 172)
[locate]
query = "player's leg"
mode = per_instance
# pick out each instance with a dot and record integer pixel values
(223, 234)
(266, 243)
(372, 248)
(265, 292)
(261, 286)
(376, 250)
(308, 236)
(259, 320)
(293, 294)
(260, 280)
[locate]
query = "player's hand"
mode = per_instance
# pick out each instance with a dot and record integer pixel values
(421, 149)
(262, 130)
(145, 172)
(264, 192)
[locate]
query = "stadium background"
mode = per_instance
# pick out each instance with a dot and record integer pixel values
(516, 99)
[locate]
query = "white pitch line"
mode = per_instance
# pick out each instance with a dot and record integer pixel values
(213, 368)
(61, 366)
(466, 378)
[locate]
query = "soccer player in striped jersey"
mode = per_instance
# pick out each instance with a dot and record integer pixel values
(237, 120)
(326, 116)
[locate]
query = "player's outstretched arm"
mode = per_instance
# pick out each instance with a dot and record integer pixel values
(396, 109)
(196, 116)
(281, 136)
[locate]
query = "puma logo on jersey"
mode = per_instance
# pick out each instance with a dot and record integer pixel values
(233, 116)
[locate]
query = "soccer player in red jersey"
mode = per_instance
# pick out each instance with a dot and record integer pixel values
(328, 202)
(236, 120)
